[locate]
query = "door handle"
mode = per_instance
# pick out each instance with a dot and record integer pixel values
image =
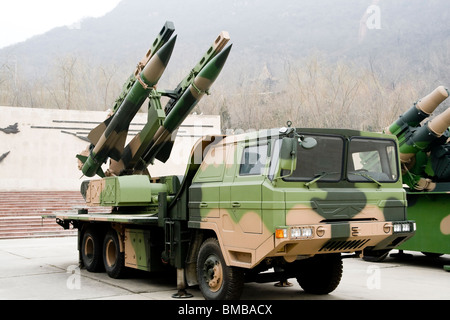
(203, 205)
(235, 204)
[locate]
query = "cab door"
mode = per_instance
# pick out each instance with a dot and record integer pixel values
(246, 191)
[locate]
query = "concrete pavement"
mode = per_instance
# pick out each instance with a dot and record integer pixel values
(47, 268)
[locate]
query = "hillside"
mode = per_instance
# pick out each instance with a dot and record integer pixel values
(271, 41)
(259, 29)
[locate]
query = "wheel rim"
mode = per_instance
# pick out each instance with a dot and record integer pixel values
(213, 273)
(89, 248)
(110, 253)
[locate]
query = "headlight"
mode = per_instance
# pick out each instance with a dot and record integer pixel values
(403, 227)
(296, 233)
(301, 232)
(307, 232)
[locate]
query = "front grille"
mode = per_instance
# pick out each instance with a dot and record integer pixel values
(334, 245)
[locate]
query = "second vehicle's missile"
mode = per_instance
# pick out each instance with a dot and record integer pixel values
(418, 112)
(421, 138)
(108, 139)
(161, 145)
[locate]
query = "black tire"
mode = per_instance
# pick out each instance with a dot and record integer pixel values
(113, 259)
(433, 255)
(375, 255)
(91, 250)
(320, 274)
(217, 281)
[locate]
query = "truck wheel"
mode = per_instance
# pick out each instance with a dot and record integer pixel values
(320, 274)
(113, 259)
(217, 281)
(91, 250)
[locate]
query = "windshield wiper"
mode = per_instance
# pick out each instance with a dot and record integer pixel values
(367, 177)
(319, 176)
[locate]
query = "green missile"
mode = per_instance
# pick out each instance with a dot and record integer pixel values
(419, 111)
(161, 145)
(139, 145)
(421, 138)
(108, 139)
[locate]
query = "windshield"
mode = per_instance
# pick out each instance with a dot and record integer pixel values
(324, 161)
(370, 160)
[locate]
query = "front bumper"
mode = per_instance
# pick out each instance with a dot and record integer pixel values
(341, 237)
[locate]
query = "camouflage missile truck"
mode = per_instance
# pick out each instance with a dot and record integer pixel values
(256, 207)
(425, 167)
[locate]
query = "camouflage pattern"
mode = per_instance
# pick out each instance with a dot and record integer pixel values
(430, 212)
(138, 254)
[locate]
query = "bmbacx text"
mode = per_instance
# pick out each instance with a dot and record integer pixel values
(241, 309)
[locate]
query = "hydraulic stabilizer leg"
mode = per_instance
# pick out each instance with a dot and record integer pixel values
(181, 286)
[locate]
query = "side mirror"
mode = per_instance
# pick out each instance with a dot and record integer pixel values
(308, 142)
(288, 154)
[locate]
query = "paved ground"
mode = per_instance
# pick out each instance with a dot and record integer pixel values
(36, 269)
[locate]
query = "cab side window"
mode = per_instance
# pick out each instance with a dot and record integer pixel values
(253, 160)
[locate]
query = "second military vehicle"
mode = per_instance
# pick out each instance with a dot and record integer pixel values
(260, 206)
(425, 167)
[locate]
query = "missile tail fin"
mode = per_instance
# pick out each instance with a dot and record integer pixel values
(97, 132)
(119, 145)
(164, 154)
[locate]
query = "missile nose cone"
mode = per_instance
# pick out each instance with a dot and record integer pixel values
(212, 69)
(165, 52)
(206, 77)
(158, 63)
(441, 123)
(429, 103)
